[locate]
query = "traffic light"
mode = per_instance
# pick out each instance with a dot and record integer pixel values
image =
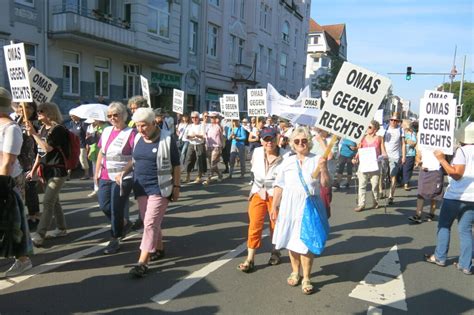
(409, 73)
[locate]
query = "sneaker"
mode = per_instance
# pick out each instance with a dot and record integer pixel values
(37, 239)
(415, 219)
(112, 247)
(390, 201)
(92, 194)
(406, 187)
(56, 233)
(359, 208)
(466, 271)
(18, 268)
(139, 270)
(430, 217)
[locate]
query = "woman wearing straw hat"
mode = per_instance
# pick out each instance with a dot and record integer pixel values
(458, 201)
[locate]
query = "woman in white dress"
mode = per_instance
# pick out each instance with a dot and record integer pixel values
(289, 198)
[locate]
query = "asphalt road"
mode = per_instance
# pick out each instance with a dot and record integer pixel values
(374, 256)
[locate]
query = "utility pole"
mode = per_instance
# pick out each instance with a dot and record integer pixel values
(453, 70)
(461, 85)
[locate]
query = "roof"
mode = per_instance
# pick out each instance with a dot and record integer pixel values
(335, 30)
(314, 27)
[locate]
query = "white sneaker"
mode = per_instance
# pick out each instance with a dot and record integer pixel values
(37, 239)
(92, 194)
(56, 233)
(18, 268)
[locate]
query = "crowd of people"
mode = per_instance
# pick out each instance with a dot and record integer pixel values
(145, 150)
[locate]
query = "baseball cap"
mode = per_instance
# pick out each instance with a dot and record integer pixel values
(268, 132)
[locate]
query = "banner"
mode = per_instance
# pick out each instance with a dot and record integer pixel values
(438, 95)
(230, 106)
(178, 101)
(17, 71)
(352, 102)
(311, 103)
(437, 122)
(257, 102)
(145, 89)
(42, 88)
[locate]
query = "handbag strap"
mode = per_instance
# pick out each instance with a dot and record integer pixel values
(303, 182)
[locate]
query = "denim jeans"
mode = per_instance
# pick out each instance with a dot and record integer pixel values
(237, 150)
(113, 204)
(408, 169)
(464, 212)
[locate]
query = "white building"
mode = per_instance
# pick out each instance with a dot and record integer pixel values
(94, 48)
(324, 43)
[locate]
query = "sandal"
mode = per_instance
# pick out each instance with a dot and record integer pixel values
(274, 258)
(160, 253)
(430, 217)
(463, 270)
(294, 279)
(432, 259)
(247, 266)
(307, 287)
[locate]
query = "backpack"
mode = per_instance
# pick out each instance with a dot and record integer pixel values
(71, 159)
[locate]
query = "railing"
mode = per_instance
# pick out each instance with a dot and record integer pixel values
(95, 14)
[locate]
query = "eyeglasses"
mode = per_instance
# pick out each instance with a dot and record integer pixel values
(112, 115)
(370, 127)
(303, 141)
(393, 119)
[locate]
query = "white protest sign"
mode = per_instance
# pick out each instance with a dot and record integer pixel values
(178, 101)
(42, 88)
(230, 106)
(429, 160)
(17, 71)
(311, 103)
(352, 102)
(437, 124)
(221, 103)
(257, 102)
(379, 116)
(368, 160)
(145, 89)
(438, 94)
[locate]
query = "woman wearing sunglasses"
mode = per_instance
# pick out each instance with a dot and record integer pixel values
(116, 145)
(370, 140)
(291, 188)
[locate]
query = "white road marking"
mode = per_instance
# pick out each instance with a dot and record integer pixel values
(384, 284)
(374, 311)
(169, 294)
(81, 210)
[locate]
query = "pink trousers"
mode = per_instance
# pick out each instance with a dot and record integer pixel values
(152, 209)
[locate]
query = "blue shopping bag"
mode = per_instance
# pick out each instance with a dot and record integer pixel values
(314, 225)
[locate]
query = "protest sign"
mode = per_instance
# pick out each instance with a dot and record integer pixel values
(42, 88)
(17, 71)
(438, 95)
(352, 102)
(437, 122)
(145, 89)
(230, 106)
(311, 103)
(178, 101)
(429, 160)
(368, 160)
(257, 102)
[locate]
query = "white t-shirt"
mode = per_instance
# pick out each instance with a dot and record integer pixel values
(393, 143)
(11, 140)
(462, 189)
(192, 130)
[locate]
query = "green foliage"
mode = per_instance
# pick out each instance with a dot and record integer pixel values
(325, 82)
(467, 97)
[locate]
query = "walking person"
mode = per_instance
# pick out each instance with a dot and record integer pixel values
(156, 177)
(254, 135)
(11, 140)
(79, 128)
(116, 145)
(53, 145)
(347, 152)
(289, 199)
(410, 149)
(195, 135)
(214, 135)
(458, 202)
(182, 141)
(94, 132)
(238, 136)
(265, 166)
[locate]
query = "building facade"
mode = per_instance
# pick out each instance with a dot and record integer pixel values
(96, 49)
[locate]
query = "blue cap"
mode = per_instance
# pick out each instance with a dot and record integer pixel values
(268, 132)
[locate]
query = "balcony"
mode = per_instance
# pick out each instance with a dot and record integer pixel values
(90, 24)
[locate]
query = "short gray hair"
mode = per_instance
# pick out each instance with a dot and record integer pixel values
(301, 131)
(144, 114)
(119, 108)
(194, 113)
(139, 100)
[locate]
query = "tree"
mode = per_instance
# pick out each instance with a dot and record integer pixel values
(325, 82)
(467, 98)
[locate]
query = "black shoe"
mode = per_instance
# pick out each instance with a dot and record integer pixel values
(127, 228)
(138, 224)
(157, 255)
(226, 171)
(139, 270)
(112, 247)
(390, 201)
(415, 219)
(346, 185)
(33, 224)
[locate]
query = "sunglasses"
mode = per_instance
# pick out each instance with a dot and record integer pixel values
(393, 119)
(303, 141)
(268, 139)
(40, 111)
(370, 127)
(194, 117)
(112, 115)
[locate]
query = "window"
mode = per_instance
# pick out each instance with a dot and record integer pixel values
(30, 52)
(159, 17)
(242, 9)
(212, 33)
(285, 32)
(269, 59)
(260, 57)
(293, 75)
(237, 50)
(71, 73)
(234, 6)
(240, 51)
(265, 14)
(131, 80)
(296, 37)
(127, 12)
(283, 65)
(105, 6)
(30, 3)
(214, 2)
(324, 62)
(232, 44)
(193, 33)
(102, 69)
(315, 39)
(316, 59)
(194, 10)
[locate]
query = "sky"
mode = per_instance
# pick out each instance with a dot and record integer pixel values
(386, 36)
